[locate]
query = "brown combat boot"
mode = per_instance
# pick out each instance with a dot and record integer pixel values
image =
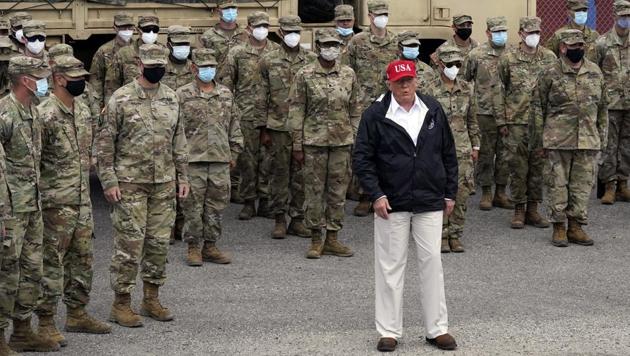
(47, 329)
(559, 237)
(5, 350)
(456, 245)
(280, 229)
(609, 195)
(501, 199)
(264, 210)
(623, 193)
(193, 257)
(486, 198)
(333, 247)
(211, 253)
(518, 221)
(297, 228)
(122, 314)
(24, 339)
(445, 248)
(315, 250)
(151, 306)
(248, 211)
(363, 208)
(576, 235)
(79, 321)
(532, 217)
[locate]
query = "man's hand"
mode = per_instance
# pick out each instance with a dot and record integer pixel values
(113, 195)
(381, 208)
(503, 130)
(474, 155)
(265, 138)
(232, 164)
(450, 205)
(540, 153)
(183, 190)
(298, 156)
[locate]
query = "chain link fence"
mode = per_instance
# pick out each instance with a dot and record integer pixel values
(554, 15)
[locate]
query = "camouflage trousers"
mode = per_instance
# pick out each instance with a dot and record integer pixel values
(616, 157)
(68, 257)
(142, 222)
(453, 226)
(492, 167)
(569, 181)
(209, 196)
(526, 169)
(286, 180)
(253, 165)
(21, 270)
(328, 169)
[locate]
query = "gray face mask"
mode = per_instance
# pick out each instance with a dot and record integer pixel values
(330, 54)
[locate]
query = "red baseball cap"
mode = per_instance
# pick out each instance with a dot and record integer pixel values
(399, 69)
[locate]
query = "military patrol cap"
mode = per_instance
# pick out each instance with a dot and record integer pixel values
(344, 12)
(7, 48)
(449, 54)
(123, 19)
(530, 24)
(4, 24)
(152, 54)
(29, 66)
(497, 24)
(34, 28)
(462, 19)
(378, 7)
(290, 23)
(577, 4)
(19, 17)
(408, 38)
(258, 18)
(324, 35)
(222, 4)
(69, 66)
(572, 37)
(148, 20)
(622, 8)
(179, 34)
(202, 57)
(60, 49)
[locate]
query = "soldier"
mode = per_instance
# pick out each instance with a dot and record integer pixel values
(67, 208)
(409, 49)
(462, 26)
(226, 34)
(5, 214)
(344, 21)
(178, 72)
(239, 75)
(480, 68)
(35, 35)
(518, 71)
(457, 99)
(21, 273)
(142, 165)
(324, 108)
(569, 128)
(277, 69)
(17, 32)
(7, 50)
(103, 59)
(577, 11)
(613, 57)
(370, 52)
(211, 121)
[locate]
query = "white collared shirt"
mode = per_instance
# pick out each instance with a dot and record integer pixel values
(411, 120)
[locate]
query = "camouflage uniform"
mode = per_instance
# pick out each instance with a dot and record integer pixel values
(222, 41)
(5, 213)
(178, 72)
(466, 49)
(142, 150)
(590, 36)
(344, 12)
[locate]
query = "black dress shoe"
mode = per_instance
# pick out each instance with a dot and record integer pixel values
(443, 342)
(386, 344)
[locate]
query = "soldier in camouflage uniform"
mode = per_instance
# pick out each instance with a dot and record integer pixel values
(577, 11)
(409, 49)
(239, 74)
(480, 68)
(277, 69)
(369, 53)
(344, 21)
(66, 205)
(142, 159)
(7, 50)
(324, 108)
(5, 214)
(16, 20)
(103, 59)
(21, 272)
(458, 101)
(518, 70)
(211, 121)
(226, 34)
(569, 128)
(35, 35)
(613, 57)
(462, 26)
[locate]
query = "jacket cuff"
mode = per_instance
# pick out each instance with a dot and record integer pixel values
(109, 183)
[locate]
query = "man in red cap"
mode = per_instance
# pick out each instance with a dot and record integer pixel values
(405, 159)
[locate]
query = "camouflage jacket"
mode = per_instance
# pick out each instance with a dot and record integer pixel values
(324, 107)
(211, 123)
(222, 41)
(239, 74)
(66, 153)
(140, 139)
(90, 100)
(590, 36)
(518, 73)
(177, 74)
(481, 69)
(464, 49)
(5, 204)
(20, 133)
(570, 109)
(102, 62)
(277, 70)
(345, 57)
(612, 55)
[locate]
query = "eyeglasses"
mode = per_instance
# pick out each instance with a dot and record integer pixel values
(456, 64)
(154, 29)
(39, 38)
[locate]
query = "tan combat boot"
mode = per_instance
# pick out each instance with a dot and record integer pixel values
(151, 306)
(297, 228)
(280, 229)
(248, 211)
(24, 339)
(193, 257)
(211, 253)
(363, 208)
(122, 314)
(559, 237)
(333, 247)
(486, 198)
(532, 217)
(576, 235)
(47, 329)
(609, 194)
(456, 245)
(5, 350)
(445, 248)
(79, 321)
(501, 199)
(518, 221)
(315, 250)
(623, 193)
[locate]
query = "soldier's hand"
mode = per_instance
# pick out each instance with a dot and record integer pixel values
(381, 208)
(503, 130)
(232, 164)
(474, 155)
(298, 156)
(113, 195)
(183, 190)
(450, 205)
(265, 138)
(540, 153)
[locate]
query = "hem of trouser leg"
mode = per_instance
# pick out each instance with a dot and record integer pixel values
(159, 284)
(392, 336)
(440, 333)
(72, 305)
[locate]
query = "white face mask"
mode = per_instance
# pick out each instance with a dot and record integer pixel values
(181, 52)
(330, 54)
(532, 40)
(36, 47)
(381, 21)
(19, 35)
(260, 33)
(125, 35)
(292, 39)
(451, 73)
(149, 37)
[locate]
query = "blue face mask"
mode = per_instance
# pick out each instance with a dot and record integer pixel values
(229, 15)
(623, 22)
(499, 38)
(344, 32)
(580, 18)
(206, 74)
(411, 52)
(42, 87)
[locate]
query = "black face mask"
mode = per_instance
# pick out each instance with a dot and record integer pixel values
(464, 33)
(155, 74)
(575, 55)
(75, 87)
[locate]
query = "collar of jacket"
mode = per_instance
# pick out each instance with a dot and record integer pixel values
(141, 93)
(327, 71)
(566, 68)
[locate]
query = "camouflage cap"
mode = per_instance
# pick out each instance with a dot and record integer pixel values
(152, 54)
(4, 24)
(5, 42)
(148, 20)
(290, 23)
(344, 12)
(449, 54)
(571, 37)
(529, 24)
(324, 35)
(7, 48)
(378, 7)
(408, 38)
(622, 7)
(123, 19)
(577, 4)
(69, 66)
(29, 66)
(258, 18)
(462, 19)
(222, 4)
(202, 57)
(497, 24)
(60, 49)
(34, 28)
(18, 18)
(179, 34)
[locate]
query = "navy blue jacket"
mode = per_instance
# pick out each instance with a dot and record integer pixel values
(415, 178)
